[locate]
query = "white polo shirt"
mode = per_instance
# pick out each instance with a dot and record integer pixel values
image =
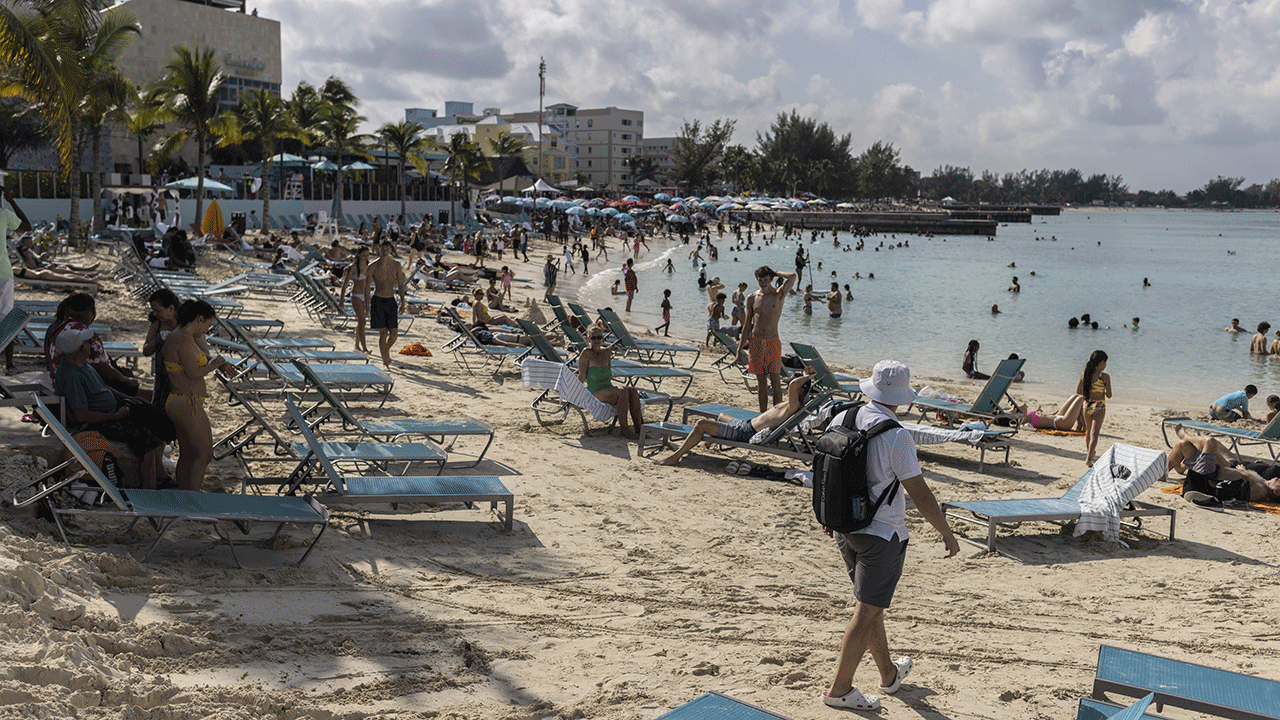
(892, 454)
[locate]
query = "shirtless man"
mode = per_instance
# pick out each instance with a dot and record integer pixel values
(729, 428)
(1258, 343)
(760, 332)
(386, 277)
(1211, 480)
(834, 299)
(1234, 327)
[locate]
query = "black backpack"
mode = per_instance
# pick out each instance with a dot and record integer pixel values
(841, 497)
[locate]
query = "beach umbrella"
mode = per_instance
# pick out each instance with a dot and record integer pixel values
(542, 202)
(288, 159)
(191, 182)
(623, 217)
(493, 198)
(662, 196)
(845, 206)
(701, 216)
(677, 219)
(609, 211)
(631, 198)
(212, 223)
(511, 199)
(576, 211)
(727, 206)
(358, 165)
(707, 205)
(593, 211)
(324, 165)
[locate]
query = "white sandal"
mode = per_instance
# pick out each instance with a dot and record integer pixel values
(904, 665)
(852, 700)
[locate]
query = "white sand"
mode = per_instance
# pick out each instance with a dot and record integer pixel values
(625, 589)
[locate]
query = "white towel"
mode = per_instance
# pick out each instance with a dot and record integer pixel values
(1104, 495)
(548, 375)
(930, 435)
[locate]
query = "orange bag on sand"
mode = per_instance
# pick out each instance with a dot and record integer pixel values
(415, 349)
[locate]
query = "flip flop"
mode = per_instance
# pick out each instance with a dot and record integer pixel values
(744, 469)
(731, 468)
(853, 700)
(904, 665)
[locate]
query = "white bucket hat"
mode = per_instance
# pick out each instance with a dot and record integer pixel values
(890, 384)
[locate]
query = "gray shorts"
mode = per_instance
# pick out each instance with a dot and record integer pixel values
(736, 431)
(874, 565)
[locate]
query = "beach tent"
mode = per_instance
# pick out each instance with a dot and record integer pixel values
(541, 186)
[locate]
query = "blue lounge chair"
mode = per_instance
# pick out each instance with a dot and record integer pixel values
(1201, 689)
(715, 706)
(643, 350)
(438, 430)
(1090, 709)
(987, 406)
(628, 373)
(465, 345)
(732, 362)
(1269, 435)
(403, 489)
(1145, 467)
(562, 392)
(324, 356)
(163, 508)
(359, 377)
(787, 440)
(838, 383)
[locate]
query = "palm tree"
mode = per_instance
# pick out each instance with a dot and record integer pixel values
(142, 119)
(63, 57)
(304, 110)
(465, 161)
(407, 140)
(188, 93)
(505, 147)
(261, 120)
(338, 130)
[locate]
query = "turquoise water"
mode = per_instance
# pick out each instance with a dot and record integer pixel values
(930, 299)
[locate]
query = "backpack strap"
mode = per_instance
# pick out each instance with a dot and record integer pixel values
(892, 491)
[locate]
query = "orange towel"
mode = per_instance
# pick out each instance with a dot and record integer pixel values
(415, 349)
(1051, 431)
(1270, 508)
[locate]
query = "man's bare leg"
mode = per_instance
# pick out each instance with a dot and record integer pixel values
(776, 379)
(864, 632)
(386, 336)
(704, 427)
(762, 390)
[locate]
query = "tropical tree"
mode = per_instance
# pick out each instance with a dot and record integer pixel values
(142, 119)
(188, 93)
(698, 151)
(642, 168)
(339, 131)
(304, 110)
(105, 100)
(505, 148)
(407, 140)
(465, 161)
(260, 120)
(21, 128)
(62, 56)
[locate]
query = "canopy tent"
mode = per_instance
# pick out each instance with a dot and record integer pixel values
(541, 186)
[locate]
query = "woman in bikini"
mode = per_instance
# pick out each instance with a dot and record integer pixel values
(357, 276)
(187, 362)
(595, 371)
(1095, 388)
(1067, 418)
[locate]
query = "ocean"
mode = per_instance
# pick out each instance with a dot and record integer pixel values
(929, 299)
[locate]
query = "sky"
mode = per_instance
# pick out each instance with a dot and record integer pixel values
(1168, 94)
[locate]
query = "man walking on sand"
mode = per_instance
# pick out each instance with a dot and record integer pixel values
(386, 277)
(630, 281)
(760, 333)
(874, 555)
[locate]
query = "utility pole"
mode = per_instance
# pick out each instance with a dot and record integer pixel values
(542, 91)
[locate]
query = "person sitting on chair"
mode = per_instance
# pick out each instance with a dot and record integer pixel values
(729, 428)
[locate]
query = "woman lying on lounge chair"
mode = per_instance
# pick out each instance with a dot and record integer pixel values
(595, 371)
(1068, 416)
(35, 261)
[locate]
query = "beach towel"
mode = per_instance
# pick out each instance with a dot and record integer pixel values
(1063, 433)
(416, 349)
(1120, 475)
(930, 435)
(548, 375)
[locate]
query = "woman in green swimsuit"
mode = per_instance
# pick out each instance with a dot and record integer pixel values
(595, 372)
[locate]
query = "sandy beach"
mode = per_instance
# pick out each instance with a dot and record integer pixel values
(624, 590)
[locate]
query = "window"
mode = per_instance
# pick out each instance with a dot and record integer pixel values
(626, 176)
(626, 136)
(626, 151)
(589, 148)
(590, 122)
(588, 163)
(553, 142)
(626, 121)
(557, 163)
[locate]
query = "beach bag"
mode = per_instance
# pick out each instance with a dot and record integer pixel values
(841, 495)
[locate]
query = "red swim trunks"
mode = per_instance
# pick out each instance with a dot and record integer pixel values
(765, 355)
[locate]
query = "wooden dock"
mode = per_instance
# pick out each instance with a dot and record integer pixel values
(907, 223)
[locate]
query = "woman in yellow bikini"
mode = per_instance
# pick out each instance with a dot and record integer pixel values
(187, 361)
(1095, 388)
(357, 275)
(595, 371)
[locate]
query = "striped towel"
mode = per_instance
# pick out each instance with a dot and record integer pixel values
(1104, 495)
(930, 435)
(548, 375)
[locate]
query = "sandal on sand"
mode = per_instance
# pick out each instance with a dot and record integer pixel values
(731, 468)
(853, 700)
(904, 665)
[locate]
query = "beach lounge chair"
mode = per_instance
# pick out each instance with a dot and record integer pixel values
(1098, 500)
(1269, 435)
(1090, 709)
(838, 383)
(359, 377)
(715, 706)
(643, 350)
(732, 365)
(562, 391)
(987, 406)
(628, 373)
(405, 489)
(983, 440)
(437, 430)
(787, 440)
(232, 332)
(1201, 689)
(465, 345)
(163, 508)
(324, 356)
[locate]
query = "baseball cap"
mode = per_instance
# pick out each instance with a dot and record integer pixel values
(71, 338)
